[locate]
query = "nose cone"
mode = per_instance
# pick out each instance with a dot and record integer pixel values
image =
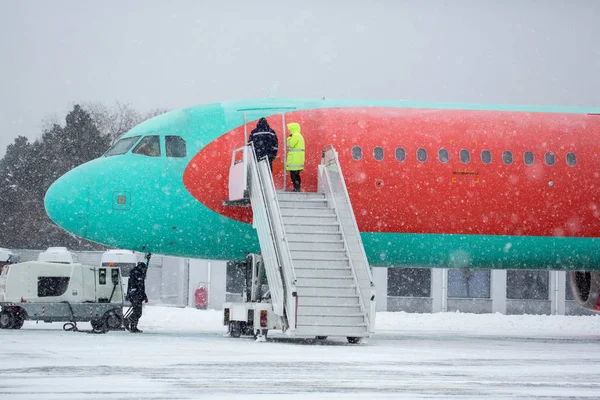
(67, 202)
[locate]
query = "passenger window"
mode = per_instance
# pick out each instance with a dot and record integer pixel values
(465, 156)
(175, 146)
(550, 158)
(378, 153)
(148, 146)
(121, 147)
(528, 158)
(357, 153)
(400, 154)
(443, 156)
(422, 155)
(571, 159)
(486, 157)
(507, 157)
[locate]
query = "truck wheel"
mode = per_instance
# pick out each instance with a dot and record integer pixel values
(7, 319)
(19, 321)
(98, 325)
(320, 337)
(235, 329)
(354, 340)
(112, 321)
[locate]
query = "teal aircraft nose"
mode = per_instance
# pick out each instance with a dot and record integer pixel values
(67, 202)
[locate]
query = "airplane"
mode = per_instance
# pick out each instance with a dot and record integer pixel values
(432, 185)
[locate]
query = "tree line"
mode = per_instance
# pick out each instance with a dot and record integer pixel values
(29, 168)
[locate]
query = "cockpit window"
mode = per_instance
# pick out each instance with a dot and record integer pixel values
(175, 146)
(121, 147)
(148, 146)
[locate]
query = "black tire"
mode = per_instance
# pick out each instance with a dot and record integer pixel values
(19, 321)
(235, 329)
(320, 337)
(7, 319)
(112, 321)
(354, 340)
(98, 325)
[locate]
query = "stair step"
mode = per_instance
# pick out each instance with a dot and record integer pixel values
(344, 331)
(331, 320)
(308, 228)
(329, 301)
(337, 281)
(324, 245)
(322, 273)
(315, 236)
(307, 212)
(310, 220)
(300, 196)
(325, 291)
(319, 256)
(329, 310)
(314, 203)
(321, 264)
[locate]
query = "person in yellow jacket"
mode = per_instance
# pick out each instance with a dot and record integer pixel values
(295, 156)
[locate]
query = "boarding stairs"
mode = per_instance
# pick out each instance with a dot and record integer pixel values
(318, 274)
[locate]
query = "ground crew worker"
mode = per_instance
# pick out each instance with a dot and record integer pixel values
(265, 141)
(295, 157)
(136, 294)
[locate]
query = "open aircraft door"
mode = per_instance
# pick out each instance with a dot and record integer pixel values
(276, 117)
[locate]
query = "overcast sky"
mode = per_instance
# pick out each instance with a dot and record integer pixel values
(173, 54)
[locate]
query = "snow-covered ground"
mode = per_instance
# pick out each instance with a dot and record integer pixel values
(182, 354)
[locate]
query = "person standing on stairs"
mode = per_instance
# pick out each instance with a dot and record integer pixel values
(265, 141)
(295, 156)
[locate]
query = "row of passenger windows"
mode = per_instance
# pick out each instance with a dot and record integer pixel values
(465, 156)
(149, 146)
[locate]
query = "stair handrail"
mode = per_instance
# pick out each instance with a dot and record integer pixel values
(267, 239)
(369, 311)
(267, 187)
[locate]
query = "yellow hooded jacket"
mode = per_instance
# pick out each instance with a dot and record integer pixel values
(295, 142)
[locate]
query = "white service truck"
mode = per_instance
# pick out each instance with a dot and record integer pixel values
(61, 291)
(125, 260)
(254, 315)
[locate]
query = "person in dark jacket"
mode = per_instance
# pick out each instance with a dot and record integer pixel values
(136, 294)
(265, 141)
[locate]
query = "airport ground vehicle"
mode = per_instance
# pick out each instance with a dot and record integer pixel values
(54, 291)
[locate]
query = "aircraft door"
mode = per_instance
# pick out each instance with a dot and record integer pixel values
(276, 117)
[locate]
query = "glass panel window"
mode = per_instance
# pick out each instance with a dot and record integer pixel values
(523, 284)
(121, 147)
(409, 282)
(357, 153)
(443, 155)
(507, 157)
(378, 153)
(550, 158)
(51, 286)
(486, 157)
(422, 155)
(148, 146)
(571, 159)
(465, 156)
(528, 158)
(175, 146)
(568, 291)
(469, 283)
(400, 154)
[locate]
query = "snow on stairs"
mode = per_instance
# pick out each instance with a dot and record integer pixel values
(328, 302)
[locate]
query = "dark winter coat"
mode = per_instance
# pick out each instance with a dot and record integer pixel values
(265, 140)
(136, 287)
